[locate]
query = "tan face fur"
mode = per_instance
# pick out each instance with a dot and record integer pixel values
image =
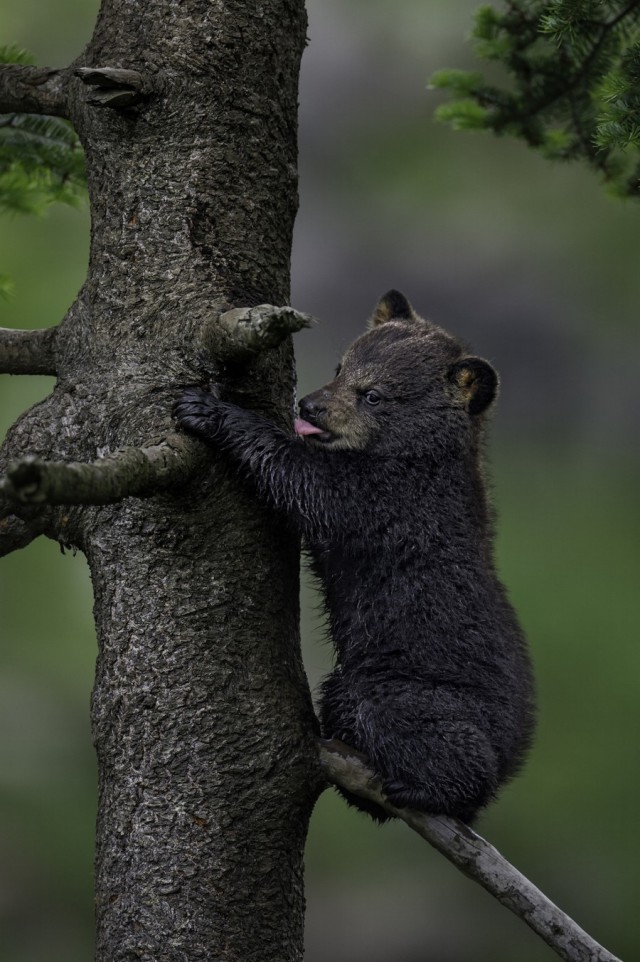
(402, 373)
(343, 418)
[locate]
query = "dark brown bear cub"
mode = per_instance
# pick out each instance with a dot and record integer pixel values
(385, 482)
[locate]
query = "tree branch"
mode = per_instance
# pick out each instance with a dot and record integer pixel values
(33, 90)
(474, 856)
(16, 533)
(129, 472)
(28, 352)
(251, 329)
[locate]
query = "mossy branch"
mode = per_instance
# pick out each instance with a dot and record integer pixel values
(27, 352)
(474, 856)
(248, 330)
(129, 472)
(33, 90)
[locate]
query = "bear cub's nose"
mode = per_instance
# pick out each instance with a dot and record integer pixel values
(311, 409)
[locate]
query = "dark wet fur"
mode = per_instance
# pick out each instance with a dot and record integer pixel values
(432, 680)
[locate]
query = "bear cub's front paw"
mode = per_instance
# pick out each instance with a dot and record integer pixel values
(199, 412)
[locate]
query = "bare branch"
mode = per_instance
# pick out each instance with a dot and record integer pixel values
(27, 352)
(16, 533)
(33, 90)
(113, 87)
(473, 855)
(129, 472)
(251, 329)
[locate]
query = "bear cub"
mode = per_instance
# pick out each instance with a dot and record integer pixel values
(384, 479)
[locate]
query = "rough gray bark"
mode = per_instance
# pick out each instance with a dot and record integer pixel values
(201, 714)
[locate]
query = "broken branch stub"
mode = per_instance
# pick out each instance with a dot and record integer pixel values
(114, 87)
(250, 330)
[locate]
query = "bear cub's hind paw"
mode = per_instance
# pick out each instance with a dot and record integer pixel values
(403, 795)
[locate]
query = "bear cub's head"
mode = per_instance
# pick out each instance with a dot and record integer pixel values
(405, 379)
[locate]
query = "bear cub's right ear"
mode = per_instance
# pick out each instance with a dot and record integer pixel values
(477, 382)
(392, 306)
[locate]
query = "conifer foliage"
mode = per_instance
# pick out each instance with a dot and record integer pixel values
(572, 88)
(41, 160)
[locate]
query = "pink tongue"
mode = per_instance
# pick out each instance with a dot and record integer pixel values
(303, 428)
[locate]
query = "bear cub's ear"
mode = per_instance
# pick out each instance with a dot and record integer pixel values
(393, 306)
(477, 382)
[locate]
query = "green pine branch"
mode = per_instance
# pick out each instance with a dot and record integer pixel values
(41, 160)
(572, 83)
(11, 53)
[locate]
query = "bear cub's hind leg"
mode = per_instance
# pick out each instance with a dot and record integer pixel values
(456, 775)
(426, 758)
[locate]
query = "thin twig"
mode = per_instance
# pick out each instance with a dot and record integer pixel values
(128, 472)
(27, 352)
(472, 855)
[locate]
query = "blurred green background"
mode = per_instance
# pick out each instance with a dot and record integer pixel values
(538, 268)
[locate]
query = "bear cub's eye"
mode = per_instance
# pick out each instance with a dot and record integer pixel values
(373, 397)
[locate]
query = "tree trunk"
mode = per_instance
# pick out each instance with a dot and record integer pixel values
(201, 713)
